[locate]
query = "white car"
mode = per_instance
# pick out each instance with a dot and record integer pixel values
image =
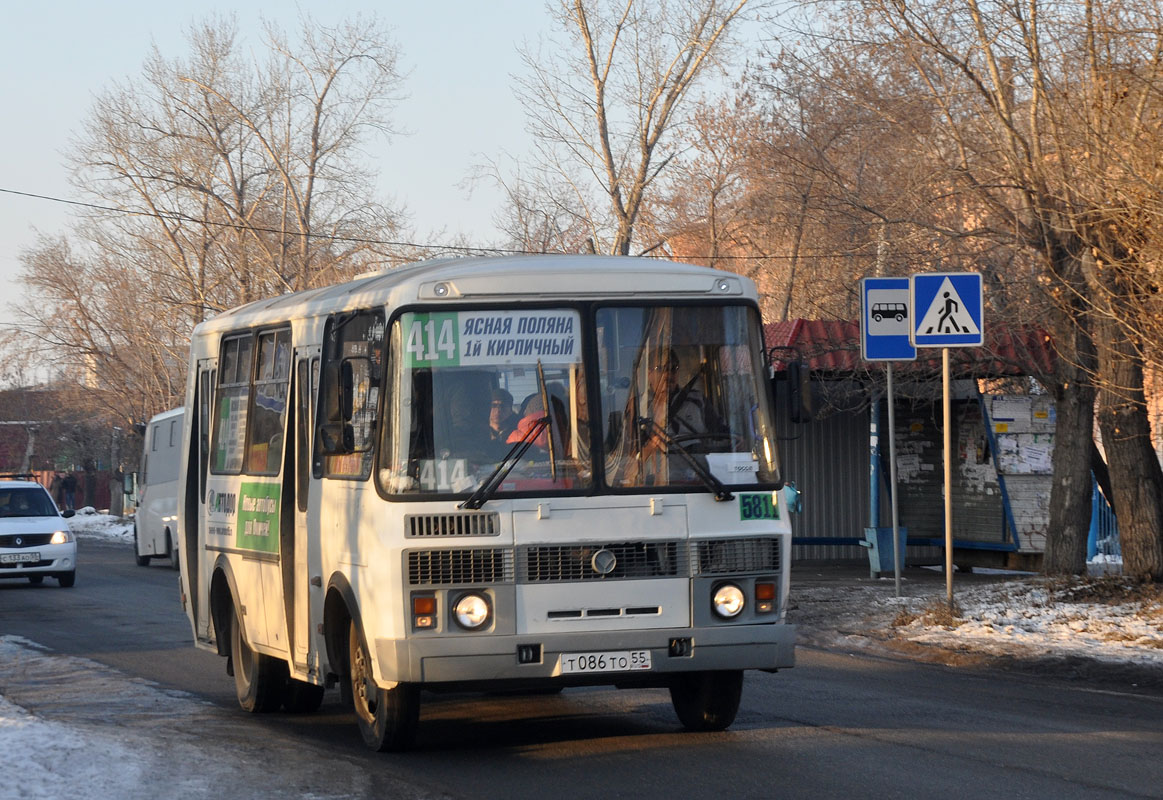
(35, 540)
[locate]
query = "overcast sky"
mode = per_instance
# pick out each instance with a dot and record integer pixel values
(460, 107)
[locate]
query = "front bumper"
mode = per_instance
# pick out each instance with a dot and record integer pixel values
(492, 658)
(54, 559)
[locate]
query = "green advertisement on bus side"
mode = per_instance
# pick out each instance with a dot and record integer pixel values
(258, 517)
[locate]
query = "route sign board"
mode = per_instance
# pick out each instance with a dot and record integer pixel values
(948, 309)
(885, 320)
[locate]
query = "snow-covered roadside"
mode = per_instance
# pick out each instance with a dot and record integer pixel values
(56, 760)
(1017, 618)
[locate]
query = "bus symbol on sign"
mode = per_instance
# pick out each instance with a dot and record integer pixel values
(897, 311)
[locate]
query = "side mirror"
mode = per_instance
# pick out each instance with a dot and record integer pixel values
(339, 389)
(337, 438)
(347, 388)
(792, 498)
(799, 386)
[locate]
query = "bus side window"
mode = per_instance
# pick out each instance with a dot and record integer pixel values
(349, 395)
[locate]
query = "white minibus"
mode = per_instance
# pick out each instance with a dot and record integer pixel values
(155, 530)
(531, 472)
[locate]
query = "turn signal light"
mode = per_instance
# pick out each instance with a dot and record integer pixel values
(423, 611)
(764, 597)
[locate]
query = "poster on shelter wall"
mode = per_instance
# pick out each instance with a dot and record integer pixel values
(1025, 453)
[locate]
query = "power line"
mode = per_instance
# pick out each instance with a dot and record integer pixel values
(179, 217)
(176, 216)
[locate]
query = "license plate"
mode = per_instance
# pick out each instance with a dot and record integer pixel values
(611, 661)
(19, 558)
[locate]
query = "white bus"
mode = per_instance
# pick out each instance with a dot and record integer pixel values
(350, 516)
(155, 530)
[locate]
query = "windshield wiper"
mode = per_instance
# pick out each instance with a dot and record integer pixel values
(712, 483)
(489, 485)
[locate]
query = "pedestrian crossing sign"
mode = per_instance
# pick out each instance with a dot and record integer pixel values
(948, 309)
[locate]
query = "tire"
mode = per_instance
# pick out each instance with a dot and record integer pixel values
(387, 718)
(142, 561)
(300, 697)
(707, 701)
(67, 579)
(36, 580)
(258, 678)
(171, 551)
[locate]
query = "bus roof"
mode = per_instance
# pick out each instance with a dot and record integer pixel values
(164, 415)
(496, 279)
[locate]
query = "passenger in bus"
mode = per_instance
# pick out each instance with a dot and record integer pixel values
(502, 418)
(534, 412)
(469, 426)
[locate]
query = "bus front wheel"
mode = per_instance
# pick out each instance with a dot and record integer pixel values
(387, 717)
(142, 561)
(707, 701)
(257, 679)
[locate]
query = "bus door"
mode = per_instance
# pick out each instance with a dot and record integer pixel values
(301, 554)
(195, 567)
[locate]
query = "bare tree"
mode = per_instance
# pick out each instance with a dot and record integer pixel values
(1026, 141)
(604, 101)
(214, 180)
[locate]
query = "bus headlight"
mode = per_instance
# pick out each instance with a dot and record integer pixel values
(471, 611)
(728, 601)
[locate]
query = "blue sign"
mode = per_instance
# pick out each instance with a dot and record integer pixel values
(949, 309)
(885, 320)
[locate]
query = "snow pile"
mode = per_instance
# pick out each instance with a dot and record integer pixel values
(90, 522)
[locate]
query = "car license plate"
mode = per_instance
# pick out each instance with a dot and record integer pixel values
(19, 558)
(612, 661)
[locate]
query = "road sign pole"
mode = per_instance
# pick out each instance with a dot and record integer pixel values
(896, 545)
(948, 421)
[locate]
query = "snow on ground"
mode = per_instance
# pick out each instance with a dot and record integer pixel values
(90, 522)
(1101, 620)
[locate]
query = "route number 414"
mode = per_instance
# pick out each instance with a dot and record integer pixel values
(432, 338)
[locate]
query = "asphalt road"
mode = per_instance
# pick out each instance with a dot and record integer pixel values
(838, 725)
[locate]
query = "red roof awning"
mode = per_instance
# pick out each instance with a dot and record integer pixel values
(833, 346)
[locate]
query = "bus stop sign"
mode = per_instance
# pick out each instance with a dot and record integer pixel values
(885, 319)
(948, 309)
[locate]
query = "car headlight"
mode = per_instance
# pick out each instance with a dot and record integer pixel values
(471, 611)
(61, 537)
(728, 601)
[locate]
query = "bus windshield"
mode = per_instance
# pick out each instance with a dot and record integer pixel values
(682, 396)
(681, 401)
(468, 388)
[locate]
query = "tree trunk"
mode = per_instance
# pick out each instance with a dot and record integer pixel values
(1070, 494)
(1074, 396)
(1135, 472)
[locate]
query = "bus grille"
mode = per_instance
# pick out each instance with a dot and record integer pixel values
(735, 556)
(558, 563)
(469, 523)
(451, 567)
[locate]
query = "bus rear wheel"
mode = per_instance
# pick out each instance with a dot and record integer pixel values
(258, 680)
(387, 717)
(707, 701)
